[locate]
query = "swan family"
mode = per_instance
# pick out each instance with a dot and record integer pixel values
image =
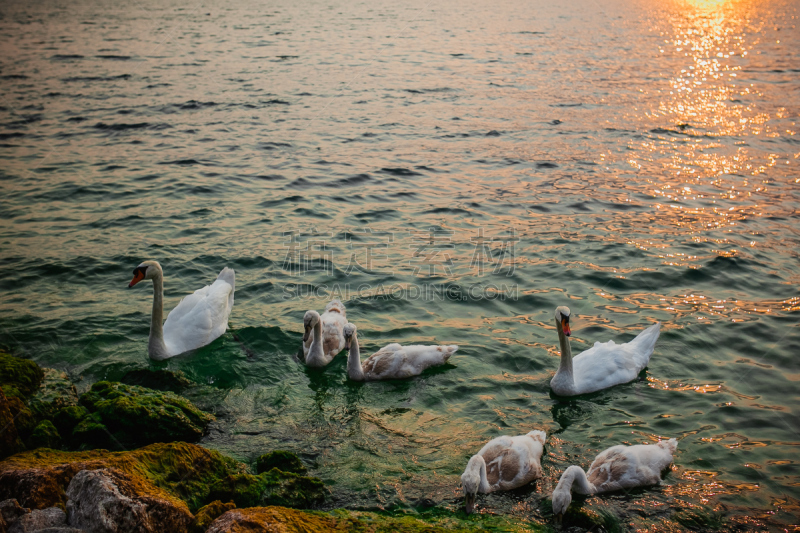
(504, 463)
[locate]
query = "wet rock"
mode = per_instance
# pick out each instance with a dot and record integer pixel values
(137, 416)
(63, 529)
(270, 488)
(55, 392)
(38, 519)
(66, 420)
(19, 377)
(281, 519)
(39, 478)
(206, 515)
(24, 420)
(10, 443)
(282, 460)
(45, 435)
(163, 380)
(11, 510)
(263, 519)
(110, 501)
(89, 434)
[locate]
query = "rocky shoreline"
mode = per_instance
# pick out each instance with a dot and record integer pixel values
(120, 458)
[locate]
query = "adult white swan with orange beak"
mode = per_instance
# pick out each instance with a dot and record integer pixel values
(197, 320)
(603, 365)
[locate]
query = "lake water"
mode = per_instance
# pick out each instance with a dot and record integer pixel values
(453, 171)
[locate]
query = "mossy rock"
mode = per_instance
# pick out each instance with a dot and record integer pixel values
(10, 443)
(282, 460)
(38, 478)
(67, 418)
(45, 435)
(90, 434)
(163, 380)
(260, 519)
(55, 392)
(19, 377)
(270, 488)
(291, 490)
(138, 416)
(207, 514)
(24, 419)
(700, 519)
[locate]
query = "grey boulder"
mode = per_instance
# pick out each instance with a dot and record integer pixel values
(106, 501)
(38, 519)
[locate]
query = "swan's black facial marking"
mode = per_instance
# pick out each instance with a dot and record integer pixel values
(565, 325)
(138, 275)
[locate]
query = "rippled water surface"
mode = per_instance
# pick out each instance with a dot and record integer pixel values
(637, 161)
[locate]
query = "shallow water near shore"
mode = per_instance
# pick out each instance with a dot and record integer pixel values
(636, 161)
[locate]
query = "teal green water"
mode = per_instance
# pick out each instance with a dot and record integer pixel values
(636, 161)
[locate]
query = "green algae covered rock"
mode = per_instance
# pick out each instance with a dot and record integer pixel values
(66, 418)
(282, 460)
(45, 435)
(207, 514)
(55, 392)
(90, 434)
(137, 416)
(39, 478)
(163, 380)
(270, 488)
(24, 419)
(10, 443)
(19, 377)
(261, 519)
(191, 473)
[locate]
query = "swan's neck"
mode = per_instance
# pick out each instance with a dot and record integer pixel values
(315, 354)
(156, 347)
(478, 465)
(354, 368)
(574, 478)
(566, 351)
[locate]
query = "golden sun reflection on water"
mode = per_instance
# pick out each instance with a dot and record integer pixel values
(717, 119)
(713, 38)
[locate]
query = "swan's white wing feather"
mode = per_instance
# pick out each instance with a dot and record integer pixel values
(229, 276)
(199, 318)
(607, 364)
(396, 362)
(625, 467)
(512, 462)
(333, 321)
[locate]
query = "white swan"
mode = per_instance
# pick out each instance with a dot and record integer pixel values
(392, 361)
(505, 463)
(327, 339)
(603, 365)
(619, 467)
(197, 320)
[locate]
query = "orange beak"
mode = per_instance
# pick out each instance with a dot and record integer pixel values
(138, 276)
(565, 326)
